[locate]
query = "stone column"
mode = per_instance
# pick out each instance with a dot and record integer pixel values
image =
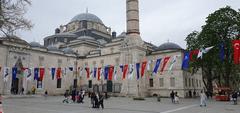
(132, 17)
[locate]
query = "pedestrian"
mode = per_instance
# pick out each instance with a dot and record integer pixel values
(190, 93)
(45, 95)
(74, 95)
(22, 91)
(96, 102)
(234, 97)
(0, 98)
(176, 98)
(101, 98)
(194, 94)
(203, 99)
(66, 97)
(172, 96)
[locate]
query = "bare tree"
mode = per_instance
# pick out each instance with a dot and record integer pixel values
(12, 16)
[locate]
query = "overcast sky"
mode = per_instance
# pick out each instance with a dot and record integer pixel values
(160, 20)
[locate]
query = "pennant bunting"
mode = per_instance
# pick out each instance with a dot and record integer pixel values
(203, 51)
(95, 72)
(137, 68)
(185, 63)
(53, 70)
(222, 52)
(111, 70)
(106, 69)
(88, 72)
(59, 72)
(125, 69)
(130, 72)
(29, 74)
(236, 53)
(157, 66)
(14, 73)
(36, 70)
(99, 73)
(173, 61)
(193, 54)
(143, 68)
(115, 72)
(165, 61)
(6, 73)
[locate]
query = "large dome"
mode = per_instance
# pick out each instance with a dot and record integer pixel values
(87, 17)
(169, 46)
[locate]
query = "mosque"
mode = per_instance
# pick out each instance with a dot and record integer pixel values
(87, 42)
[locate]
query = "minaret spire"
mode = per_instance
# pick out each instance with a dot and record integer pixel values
(132, 17)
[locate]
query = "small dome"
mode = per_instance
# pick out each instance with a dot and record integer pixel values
(68, 50)
(35, 44)
(87, 17)
(168, 46)
(52, 48)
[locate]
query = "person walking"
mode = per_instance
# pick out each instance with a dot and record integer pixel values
(203, 99)
(101, 98)
(176, 98)
(234, 97)
(172, 96)
(45, 95)
(74, 95)
(66, 97)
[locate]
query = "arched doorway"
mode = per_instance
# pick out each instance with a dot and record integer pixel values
(17, 83)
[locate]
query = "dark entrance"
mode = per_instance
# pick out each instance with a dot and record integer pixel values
(75, 83)
(109, 86)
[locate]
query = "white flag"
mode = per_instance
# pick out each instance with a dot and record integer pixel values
(130, 72)
(115, 72)
(173, 61)
(203, 51)
(28, 73)
(6, 73)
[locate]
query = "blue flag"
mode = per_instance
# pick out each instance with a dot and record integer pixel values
(221, 55)
(106, 73)
(157, 65)
(14, 73)
(138, 67)
(95, 72)
(185, 63)
(53, 72)
(36, 70)
(121, 66)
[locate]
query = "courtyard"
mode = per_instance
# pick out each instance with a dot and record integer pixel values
(53, 104)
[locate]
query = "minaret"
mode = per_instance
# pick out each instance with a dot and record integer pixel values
(132, 17)
(133, 50)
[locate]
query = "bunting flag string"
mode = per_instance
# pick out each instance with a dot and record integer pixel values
(28, 73)
(222, 52)
(165, 61)
(106, 73)
(14, 73)
(203, 51)
(193, 53)
(87, 72)
(94, 72)
(173, 61)
(143, 68)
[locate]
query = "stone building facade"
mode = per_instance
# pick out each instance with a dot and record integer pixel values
(86, 42)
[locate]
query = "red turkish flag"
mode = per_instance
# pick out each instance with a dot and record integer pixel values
(88, 72)
(99, 73)
(59, 71)
(144, 64)
(41, 73)
(125, 69)
(111, 69)
(193, 53)
(236, 48)
(165, 61)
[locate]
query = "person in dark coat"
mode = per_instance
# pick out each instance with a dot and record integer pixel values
(74, 95)
(234, 97)
(172, 96)
(101, 98)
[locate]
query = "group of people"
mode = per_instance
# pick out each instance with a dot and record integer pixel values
(75, 96)
(174, 97)
(97, 100)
